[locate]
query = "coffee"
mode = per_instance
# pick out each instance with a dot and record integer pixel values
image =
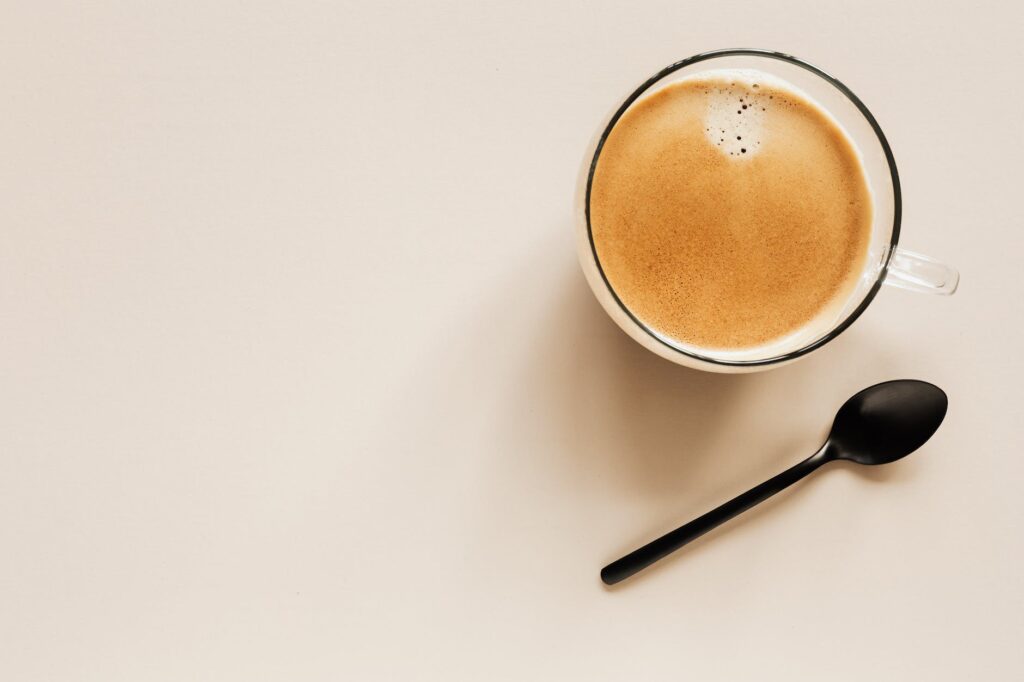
(729, 211)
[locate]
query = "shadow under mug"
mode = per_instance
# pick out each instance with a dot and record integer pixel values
(885, 263)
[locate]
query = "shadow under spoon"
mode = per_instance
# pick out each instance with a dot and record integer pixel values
(878, 425)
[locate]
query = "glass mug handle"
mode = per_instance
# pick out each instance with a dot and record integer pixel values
(916, 272)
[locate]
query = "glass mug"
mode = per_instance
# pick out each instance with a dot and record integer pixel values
(885, 263)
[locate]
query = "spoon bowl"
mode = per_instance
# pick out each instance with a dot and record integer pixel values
(887, 421)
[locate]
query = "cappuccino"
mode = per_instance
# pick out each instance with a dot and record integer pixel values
(728, 211)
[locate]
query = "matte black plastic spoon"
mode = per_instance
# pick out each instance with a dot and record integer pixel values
(879, 425)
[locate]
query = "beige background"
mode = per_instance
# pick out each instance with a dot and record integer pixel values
(300, 380)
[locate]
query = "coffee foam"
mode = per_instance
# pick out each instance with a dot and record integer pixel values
(718, 248)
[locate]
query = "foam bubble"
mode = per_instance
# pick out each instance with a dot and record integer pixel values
(736, 108)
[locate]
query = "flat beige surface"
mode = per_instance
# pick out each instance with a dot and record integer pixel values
(300, 380)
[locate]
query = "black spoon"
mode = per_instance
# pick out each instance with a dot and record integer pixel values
(879, 425)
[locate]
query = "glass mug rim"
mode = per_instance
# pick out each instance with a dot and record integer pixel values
(886, 258)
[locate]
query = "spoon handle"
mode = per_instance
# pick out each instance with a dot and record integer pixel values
(658, 549)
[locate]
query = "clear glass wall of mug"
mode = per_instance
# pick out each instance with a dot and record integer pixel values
(886, 263)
